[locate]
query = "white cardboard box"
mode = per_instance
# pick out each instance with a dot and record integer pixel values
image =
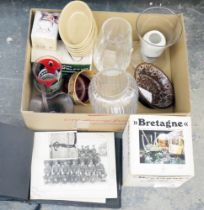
(157, 151)
(69, 64)
(45, 30)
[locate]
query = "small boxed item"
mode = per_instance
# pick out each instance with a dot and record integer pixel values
(69, 63)
(45, 30)
(157, 151)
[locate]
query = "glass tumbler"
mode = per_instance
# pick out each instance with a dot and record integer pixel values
(158, 28)
(113, 91)
(113, 47)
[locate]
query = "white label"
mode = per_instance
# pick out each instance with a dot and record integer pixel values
(83, 124)
(147, 94)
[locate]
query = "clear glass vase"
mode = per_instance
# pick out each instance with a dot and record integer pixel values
(113, 91)
(113, 47)
(157, 28)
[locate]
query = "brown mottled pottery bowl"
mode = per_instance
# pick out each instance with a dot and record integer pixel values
(155, 89)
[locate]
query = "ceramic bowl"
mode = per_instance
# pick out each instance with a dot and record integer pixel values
(75, 22)
(77, 28)
(78, 86)
(155, 88)
(85, 50)
(87, 41)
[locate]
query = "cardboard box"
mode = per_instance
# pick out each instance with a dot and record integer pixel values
(174, 62)
(45, 31)
(157, 151)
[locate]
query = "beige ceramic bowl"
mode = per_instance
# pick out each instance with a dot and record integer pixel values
(86, 49)
(83, 52)
(86, 43)
(76, 24)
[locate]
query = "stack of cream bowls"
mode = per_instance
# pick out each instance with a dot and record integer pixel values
(77, 28)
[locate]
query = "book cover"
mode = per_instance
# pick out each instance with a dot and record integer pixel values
(16, 144)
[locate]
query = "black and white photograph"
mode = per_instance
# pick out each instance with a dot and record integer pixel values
(70, 163)
(161, 147)
(63, 146)
(83, 162)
